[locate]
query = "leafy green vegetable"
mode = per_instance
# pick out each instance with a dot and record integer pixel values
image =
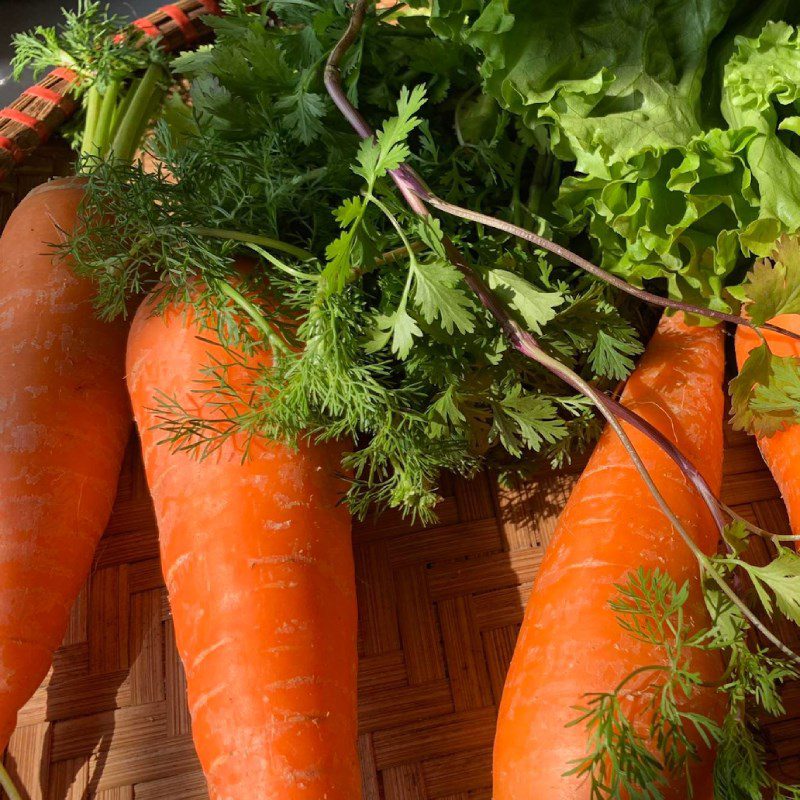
(773, 287)
(760, 80)
(668, 184)
(116, 104)
(536, 307)
(392, 350)
(646, 124)
(85, 43)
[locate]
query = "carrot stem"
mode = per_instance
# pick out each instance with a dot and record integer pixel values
(122, 107)
(92, 113)
(8, 784)
(252, 238)
(104, 118)
(134, 122)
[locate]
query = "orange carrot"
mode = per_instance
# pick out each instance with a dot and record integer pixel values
(65, 422)
(258, 563)
(571, 643)
(780, 450)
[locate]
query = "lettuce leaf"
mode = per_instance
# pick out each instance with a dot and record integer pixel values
(616, 81)
(683, 134)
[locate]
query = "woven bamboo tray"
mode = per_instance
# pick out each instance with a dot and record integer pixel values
(439, 611)
(439, 607)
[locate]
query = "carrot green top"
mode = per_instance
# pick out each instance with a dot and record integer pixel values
(121, 78)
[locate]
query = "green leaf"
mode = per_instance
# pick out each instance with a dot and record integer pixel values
(536, 307)
(736, 536)
(781, 577)
(400, 328)
(429, 230)
(765, 395)
(773, 288)
(405, 329)
(338, 254)
(614, 81)
(612, 357)
(536, 421)
(390, 149)
(444, 413)
(739, 771)
(349, 211)
(728, 624)
(438, 295)
(303, 112)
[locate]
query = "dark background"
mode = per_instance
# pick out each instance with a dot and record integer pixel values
(22, 15)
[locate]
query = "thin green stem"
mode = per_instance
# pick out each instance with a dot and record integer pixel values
(516, 203)
(638, 671)
(278, 264)
(255, 315)
(252, 238)
(539, 182)
(92, 113)
(8, 784)
(395, 224)
(755, 529)
(134, 123)
(406, 243)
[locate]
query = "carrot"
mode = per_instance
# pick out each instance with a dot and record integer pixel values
(780, 451)
(571, 643)
(257, 559)
(65, 423)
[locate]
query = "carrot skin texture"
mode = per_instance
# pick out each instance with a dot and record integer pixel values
(258, 562)
(63, 429)
(779, 450)
(570, 643)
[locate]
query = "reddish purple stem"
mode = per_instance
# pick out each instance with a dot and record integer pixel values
(416, 193)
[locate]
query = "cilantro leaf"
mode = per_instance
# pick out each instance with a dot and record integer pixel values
(773, 288)
(438, 295)
(536, 307)
(303, 113)
(612, 356)
(781, 577)
(339, 257)
(765, 395)
(390, 148)
(736, 536)
(400, 328)
(528, 420)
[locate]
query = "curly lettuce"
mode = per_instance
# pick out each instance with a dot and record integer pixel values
(683, 135)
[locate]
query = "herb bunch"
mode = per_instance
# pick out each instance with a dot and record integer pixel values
(390, 349)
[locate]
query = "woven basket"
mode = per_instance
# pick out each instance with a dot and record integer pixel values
(439, 607)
